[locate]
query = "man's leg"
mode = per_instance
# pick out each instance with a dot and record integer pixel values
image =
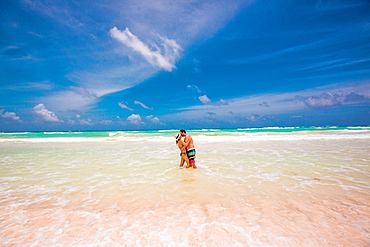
(191, 156)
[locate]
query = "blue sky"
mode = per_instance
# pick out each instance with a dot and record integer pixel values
(101, 65)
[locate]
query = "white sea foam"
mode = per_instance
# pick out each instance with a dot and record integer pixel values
(53, 133)
(115, 133)
(14, 133)
(250, 189)
(56, 139)
(230, 137)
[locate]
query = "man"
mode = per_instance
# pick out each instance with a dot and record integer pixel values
(190, 148)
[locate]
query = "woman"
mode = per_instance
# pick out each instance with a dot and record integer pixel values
(181, 144)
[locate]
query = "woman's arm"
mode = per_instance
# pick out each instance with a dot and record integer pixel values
(181, 145)
(185, 143)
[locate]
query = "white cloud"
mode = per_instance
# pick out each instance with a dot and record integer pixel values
(143, 105)
(354, 98)
(249, 107)
(194, 88)
(164, 59)
(222, 102)
(83, 92)
(69, 100)
(329, 6)
(38, 86)
(45, 114)
(105, 78)
(204, 99)
(135, 119)
(10, 115)
(107, 122)
(122, 105)
(99, 71)
(153, 119)
(183, 19)
(86, 122)
(325, 100)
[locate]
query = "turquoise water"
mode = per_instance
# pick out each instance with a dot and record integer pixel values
(208, 132)
(302, 186)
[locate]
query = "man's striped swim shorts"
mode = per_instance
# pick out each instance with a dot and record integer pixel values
(191, 155)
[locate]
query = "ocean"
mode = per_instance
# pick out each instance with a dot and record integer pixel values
(299, 186)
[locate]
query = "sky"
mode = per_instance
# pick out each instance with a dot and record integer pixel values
(134, 65)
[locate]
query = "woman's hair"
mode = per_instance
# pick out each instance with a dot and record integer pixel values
(177, 137)
(183, 131)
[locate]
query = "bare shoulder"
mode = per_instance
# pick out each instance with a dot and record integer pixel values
(188, 138)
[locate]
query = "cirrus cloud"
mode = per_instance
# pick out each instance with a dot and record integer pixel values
(142, 105)
(249, 108)
(164, 59)
(124, 106)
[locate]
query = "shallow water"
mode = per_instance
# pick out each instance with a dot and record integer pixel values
(294, 188)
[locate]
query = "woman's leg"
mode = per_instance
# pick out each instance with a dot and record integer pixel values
(182, 161)
(186, 159)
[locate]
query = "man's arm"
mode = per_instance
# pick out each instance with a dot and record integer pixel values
(187, 140)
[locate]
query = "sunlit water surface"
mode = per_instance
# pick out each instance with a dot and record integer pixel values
(307, 188)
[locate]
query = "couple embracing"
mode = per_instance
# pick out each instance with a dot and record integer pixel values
(187, 149)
